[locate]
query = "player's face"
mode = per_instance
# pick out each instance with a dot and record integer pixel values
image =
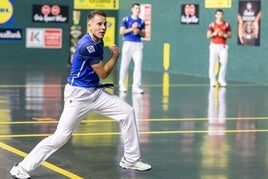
(136, 10)
(219, 16)
(97, 27)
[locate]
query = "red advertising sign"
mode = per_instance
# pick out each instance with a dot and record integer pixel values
(145, 14)
(52, 38)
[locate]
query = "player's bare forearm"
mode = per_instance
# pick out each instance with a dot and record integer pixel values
(209, 34)
(109, 67)
(104, 70)
(111, 63)
(142, 33)
(124, 31)
(229, 34)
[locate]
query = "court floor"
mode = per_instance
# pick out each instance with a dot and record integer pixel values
(187, 129)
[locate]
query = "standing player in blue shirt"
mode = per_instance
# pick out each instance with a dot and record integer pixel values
(132, 29)
(84, 93)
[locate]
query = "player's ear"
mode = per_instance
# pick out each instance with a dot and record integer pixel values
(89, 26)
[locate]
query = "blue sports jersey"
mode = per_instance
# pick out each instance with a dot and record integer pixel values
(87, 53)
(127, 23)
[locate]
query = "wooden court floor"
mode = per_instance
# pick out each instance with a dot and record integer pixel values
(187, 129)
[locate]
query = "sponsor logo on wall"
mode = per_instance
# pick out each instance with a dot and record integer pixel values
(146, 16)
(96, 4)
(6, 12)
(43, 38)
(50, 13)
(190, 14)
(249, 16)
(218, 3)
(11, 34)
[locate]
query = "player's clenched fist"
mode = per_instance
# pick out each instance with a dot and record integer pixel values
(220, 33)
(115, 50)
(135, 28)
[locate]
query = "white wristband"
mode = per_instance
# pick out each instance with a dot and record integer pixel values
(225, 35)
(215, 33)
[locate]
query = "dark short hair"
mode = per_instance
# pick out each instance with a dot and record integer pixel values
(135, 4)
(219, 10)
(96, 12)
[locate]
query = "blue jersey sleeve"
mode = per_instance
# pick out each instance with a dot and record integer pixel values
(125, 22)
(89, 53)
(142, 25)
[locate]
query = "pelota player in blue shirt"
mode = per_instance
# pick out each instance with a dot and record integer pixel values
(132, 29)
(84, 93)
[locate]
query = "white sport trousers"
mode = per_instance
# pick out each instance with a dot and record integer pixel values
(131, 50)
(78, 102)
(218, 51)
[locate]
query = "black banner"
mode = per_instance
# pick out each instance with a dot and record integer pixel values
(249, 14)
(11, 34)
(189, 14)
(50, 13)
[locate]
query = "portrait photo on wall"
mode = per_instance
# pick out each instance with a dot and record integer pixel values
(249, 15)
(189, 14)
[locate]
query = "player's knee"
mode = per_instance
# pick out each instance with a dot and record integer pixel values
(59, 139)
(127, 113)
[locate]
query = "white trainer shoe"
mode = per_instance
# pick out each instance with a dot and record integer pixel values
(213, 84)
(138, 165)
(137, 89)
(19, 173)
(223, 83)
(122, 88)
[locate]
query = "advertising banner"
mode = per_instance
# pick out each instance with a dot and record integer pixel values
(218, 3)
(249, 14)
(189, 14)
(50, 13)
(10, 34)
(96, 4)
(6, 12)
(146, 16)
(43, 38)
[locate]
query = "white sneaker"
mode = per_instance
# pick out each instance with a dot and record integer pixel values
(223, 83)
(138, 165)
(213, 84)
(122, 88)
(19, 173)
(137, 89)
